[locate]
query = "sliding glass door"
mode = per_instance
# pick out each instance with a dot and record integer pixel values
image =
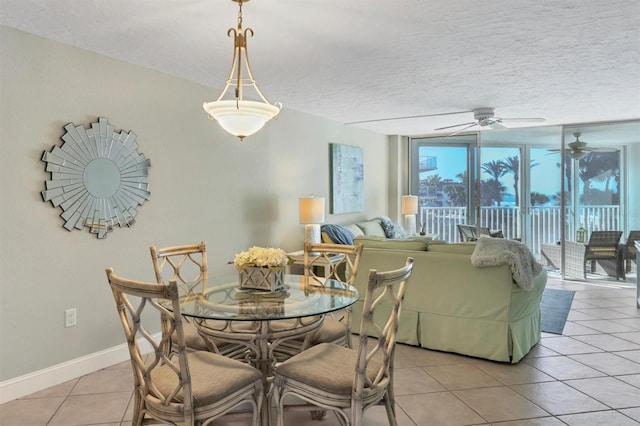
(540, 185)
(440, 176)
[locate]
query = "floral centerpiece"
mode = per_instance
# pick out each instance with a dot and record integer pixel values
(262, 268)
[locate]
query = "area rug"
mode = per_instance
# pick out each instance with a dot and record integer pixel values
(554, 308)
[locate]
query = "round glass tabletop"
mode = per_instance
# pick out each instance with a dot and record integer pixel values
(301, 297)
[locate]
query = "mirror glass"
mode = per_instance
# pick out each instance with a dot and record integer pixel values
(98, 178)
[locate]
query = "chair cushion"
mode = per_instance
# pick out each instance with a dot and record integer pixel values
(213, 377)
(192, 338)
(328, 367)
(330, 331)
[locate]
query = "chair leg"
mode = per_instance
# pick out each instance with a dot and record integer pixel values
(391, 411)
(138, 412)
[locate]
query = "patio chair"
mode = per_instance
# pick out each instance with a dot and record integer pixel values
(603, 247)
(630, 249)
(182, 387)
(349, 381)
(472, 232)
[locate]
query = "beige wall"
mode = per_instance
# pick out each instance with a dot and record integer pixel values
(204, 185)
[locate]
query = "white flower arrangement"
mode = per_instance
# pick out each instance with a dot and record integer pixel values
(265, 257)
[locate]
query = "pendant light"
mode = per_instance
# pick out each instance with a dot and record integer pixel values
(236, 115)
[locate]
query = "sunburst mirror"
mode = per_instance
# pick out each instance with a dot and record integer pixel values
(98, 178)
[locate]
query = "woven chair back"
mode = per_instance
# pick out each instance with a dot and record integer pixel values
(136, 301)
(341, 259)
(386, 289)
(185, 264)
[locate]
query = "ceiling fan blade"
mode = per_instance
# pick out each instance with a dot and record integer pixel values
(473, 123)
(408, 117)
(525, 120)
(470, 125)
(497, 126)
(602, 149)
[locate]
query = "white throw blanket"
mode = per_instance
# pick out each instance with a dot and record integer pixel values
(497, 251)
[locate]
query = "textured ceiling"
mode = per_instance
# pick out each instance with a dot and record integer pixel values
(569, 61)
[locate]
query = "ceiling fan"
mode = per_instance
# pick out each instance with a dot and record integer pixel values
(485, 117)
(578, 149)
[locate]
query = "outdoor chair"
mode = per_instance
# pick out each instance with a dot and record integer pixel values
(344, 380)
(603, 247)
(177, 387)
(630, 250)
(336, 327)
(472, 232)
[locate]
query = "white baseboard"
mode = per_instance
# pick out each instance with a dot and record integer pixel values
(42, 379)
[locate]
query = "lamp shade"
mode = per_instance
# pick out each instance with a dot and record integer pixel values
(311, 210)
(409, 204)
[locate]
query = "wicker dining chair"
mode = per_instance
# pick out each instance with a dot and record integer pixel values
(341, 261)
(182, 387)
(187, 265)
(349, 381)
(603, 246)
(336, 327)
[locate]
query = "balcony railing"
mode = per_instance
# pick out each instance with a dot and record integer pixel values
(546, 222)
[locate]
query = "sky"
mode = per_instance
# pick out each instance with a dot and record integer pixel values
(451, 160)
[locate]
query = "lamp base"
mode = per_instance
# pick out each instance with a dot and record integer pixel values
(312, 234)
(410, 223)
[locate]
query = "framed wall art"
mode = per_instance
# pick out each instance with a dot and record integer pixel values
(347, 178)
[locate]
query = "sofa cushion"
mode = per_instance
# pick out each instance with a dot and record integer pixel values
(355, 230)
(372, 241)
(371, 227)
(455, 248)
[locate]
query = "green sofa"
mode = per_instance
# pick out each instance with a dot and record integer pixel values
(451, 305)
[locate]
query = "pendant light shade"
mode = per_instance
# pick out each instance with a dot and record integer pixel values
(236, 115)
(241, 118)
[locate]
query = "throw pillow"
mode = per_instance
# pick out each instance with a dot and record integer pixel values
(391, 228)
(338, 234)
(371, 227)
(355, 230)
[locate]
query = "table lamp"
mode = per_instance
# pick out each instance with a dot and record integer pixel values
(311, 211)
(409, 210)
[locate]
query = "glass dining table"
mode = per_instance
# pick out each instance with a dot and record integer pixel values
(260, 320)
(255, 325)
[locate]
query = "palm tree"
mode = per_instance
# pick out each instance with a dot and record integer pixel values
(495, 170)
(512, 165)
(598, 166)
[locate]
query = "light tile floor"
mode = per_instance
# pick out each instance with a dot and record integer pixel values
(588, 376)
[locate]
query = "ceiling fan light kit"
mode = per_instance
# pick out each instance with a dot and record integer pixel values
(578, 149)
(236, 115)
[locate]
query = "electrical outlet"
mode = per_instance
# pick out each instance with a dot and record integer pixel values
(70, 319)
